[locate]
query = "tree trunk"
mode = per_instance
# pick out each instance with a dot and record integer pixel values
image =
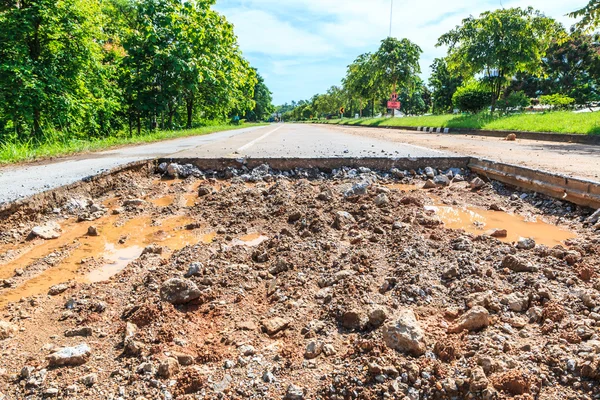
(190, 111)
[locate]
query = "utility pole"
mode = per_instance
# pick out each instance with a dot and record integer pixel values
(391, 16)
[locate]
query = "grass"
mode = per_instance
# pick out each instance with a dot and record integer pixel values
(13, 152)
(557, 122)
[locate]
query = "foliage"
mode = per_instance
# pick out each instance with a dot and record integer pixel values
(472, 97)
(444, 85)
(263, 102)
(590, 14)
(557, 100)
(360, 82)
(515, 101)
(499, 44)
(75, 69)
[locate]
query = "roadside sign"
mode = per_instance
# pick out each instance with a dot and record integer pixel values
(394, 105)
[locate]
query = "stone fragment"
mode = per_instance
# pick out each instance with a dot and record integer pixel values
(479, 381)
(499, 233)
(441, 180)
(168, 368)
(179, 291)
(89, 380)
(294, 392)
(518, 264)
(58, 289)
(474, 319)
(313, 350)
(355, 320)
(477, 183)
(81, 331)
(69, 356)
(275, 325)
(382, 200)
(429, 184)
(525, 244)
(511, 137)
(92, 231)
(405, 334)
(49, 231)
(7, 330)
(343, 219)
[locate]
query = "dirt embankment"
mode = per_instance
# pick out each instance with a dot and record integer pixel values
(301, 286)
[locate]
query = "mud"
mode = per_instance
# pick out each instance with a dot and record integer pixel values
(294, 279)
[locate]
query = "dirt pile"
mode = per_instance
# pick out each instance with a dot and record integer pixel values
(303, 285)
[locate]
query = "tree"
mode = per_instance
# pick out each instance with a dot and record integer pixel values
(360, 80)
(590, 14)
(499, 44)
(443, 84)
(397, 65)
(263, 100)
(472, 97)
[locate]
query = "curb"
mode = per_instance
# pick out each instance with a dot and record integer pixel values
(527, 135)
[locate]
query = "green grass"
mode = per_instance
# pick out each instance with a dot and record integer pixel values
(14, 152)
(557, 122)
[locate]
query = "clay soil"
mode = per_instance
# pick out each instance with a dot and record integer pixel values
(333, 270)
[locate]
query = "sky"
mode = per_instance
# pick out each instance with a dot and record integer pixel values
(302, 47)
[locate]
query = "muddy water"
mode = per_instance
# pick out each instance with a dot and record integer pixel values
(163, 201)
(478, 221)
(402, 187)
(114, 248)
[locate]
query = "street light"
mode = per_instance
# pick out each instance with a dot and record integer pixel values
(391, 16)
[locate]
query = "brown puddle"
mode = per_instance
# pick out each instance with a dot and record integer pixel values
(402, 187)
(138, 233)
(477, 221)
(163, 201)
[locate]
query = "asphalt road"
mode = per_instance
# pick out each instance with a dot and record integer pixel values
(281, 140)
(305, 141)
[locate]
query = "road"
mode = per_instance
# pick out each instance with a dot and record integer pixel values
(295, 140)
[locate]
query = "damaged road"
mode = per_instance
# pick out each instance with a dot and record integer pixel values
(301, 284)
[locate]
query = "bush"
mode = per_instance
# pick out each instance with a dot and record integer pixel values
(472, 98)
(557, 100)
(513, 102)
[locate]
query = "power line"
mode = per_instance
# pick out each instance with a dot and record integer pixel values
(391, 16)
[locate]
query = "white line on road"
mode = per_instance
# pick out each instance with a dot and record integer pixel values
(253, 142)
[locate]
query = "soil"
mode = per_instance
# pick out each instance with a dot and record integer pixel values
(286, 282)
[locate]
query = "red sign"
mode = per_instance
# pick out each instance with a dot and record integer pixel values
(394, 105)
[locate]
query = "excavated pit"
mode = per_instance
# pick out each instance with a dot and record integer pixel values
(294, 280)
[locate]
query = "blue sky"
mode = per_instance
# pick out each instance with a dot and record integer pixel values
(302, 47)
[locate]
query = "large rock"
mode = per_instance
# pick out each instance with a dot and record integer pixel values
(343, 219)
(7, 330)
(47, 232)
(179, 291)
(275, 325)
(525, 244)
(405, 334)
(294, 392)
(517, 264)
(477, 183)
(70, 356)
(475, 319)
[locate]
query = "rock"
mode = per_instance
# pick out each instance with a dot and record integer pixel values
(134, 202)
(173, 170)
(354, 320)
(168, 368)
(429, 184)
(89, 380)
(275, 325)
(396, 173)
(247, 350)
(525, 244)
(382, 200)
(130, 346)
(377, 317)
(429, 172)
(294, 392)
(70, 356)
(313, 350)
(145, 368)
(473, 320)
(479, 381)
(184, 359)
(594, 218)
(511, 137)
(204, 191)
(477, 183)
(47, 232)
(343, 219)
(499, 233)
(223, 385)
(58, 289)
(7, 330)
(358, 189)
(517, 264)
(92, 231)
(152, 249)
(179, 291)
(516, 302)
(405, 334)
(195, 269)
(82, 331)
(329, 350)
(441, 180)
(268, 377)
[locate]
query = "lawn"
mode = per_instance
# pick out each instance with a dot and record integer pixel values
(13, 152)
(558, 122)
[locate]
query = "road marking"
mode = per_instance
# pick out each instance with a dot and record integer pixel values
(258, 139)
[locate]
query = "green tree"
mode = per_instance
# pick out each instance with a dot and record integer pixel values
(443, 84)
(499, 44)
(360, 80)
(263, 99)
(397, 63)
(590, 16)
(472, 97)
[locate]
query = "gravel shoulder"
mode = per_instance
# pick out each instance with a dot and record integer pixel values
(574, 160)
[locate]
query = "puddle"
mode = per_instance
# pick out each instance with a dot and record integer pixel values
(478, 221)
(250, 240)
(119, 259)
(208, 237)
(139, 233)
(190, 200)
(163, 201)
